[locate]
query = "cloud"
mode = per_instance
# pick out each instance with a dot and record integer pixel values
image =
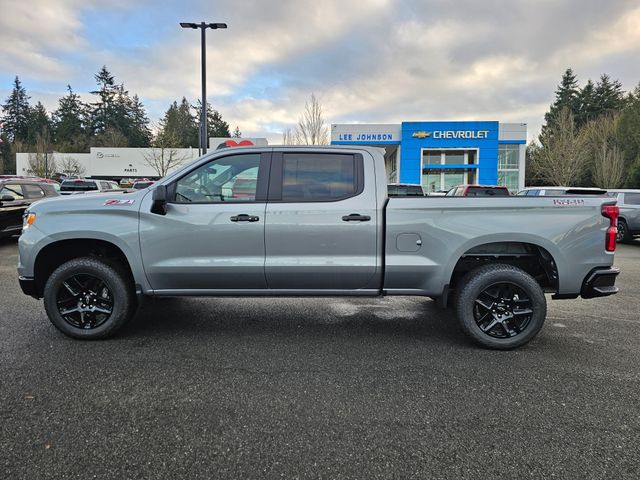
(369, 61)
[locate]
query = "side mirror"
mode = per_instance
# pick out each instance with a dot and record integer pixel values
(6, 198)
(159, 205)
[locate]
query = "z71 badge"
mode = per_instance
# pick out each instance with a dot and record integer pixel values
(114, 202)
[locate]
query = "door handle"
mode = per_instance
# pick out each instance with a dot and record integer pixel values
(356, 217)
(243, 217)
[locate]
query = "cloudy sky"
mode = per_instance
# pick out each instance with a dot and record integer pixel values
(369, 61)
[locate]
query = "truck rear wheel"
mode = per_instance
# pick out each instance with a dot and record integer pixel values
(500, 306)
(89, 298)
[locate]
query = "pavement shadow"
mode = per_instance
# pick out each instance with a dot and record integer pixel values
(198, 317)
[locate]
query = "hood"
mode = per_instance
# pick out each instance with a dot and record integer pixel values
(90, 201)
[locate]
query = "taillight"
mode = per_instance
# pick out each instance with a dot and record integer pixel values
(611, 212)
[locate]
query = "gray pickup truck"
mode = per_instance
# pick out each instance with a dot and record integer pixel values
(313, 221)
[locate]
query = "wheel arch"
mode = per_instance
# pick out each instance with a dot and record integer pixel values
(54, 254)
(540, 261)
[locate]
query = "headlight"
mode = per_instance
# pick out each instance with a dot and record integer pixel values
(28, 220)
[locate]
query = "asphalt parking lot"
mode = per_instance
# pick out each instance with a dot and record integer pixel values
(320, 388)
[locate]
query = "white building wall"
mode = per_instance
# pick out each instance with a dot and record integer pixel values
(512, 131)
(109, 162)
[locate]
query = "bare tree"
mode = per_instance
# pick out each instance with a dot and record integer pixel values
(71, 167)
(605, 154)
(561, 156)
(291, 137)
(163, 155)
(311, 128)
(42, 163)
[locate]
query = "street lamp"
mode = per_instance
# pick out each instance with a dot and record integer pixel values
(203, 113)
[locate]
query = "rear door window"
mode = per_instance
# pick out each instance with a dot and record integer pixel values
(319, 177)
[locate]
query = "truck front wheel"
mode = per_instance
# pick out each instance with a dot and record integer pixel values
(500, 306)
(89, 298)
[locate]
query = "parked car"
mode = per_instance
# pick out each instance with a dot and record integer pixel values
(139, 185)
(478, 191)
(84, 185)
(629, 219)
(559, 191)
(318, 222)
(405, 190)
(16, 194)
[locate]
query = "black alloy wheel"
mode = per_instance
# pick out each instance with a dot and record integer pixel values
(84, 301)
(500, 306)
(90, 297)
(623, 234)
(503, 310)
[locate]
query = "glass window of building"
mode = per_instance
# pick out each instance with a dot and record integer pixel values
(432, 157)
(509, 166)
(454, 157)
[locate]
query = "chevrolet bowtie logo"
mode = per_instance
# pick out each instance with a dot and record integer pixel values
(421, 134)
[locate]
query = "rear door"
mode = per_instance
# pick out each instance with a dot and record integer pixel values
(321, 222)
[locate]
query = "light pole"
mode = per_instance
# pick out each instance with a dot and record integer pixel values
(203, 48)
(47, 152)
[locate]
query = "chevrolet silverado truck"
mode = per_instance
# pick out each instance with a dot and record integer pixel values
(313, 221)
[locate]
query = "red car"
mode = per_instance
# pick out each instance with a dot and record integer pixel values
(478, 191)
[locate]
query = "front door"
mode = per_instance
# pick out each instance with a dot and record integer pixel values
(212, 236)
(321, 223)
(11, 210)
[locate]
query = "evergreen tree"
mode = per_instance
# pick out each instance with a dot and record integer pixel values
(216, 126)
(179, 127)
(69, 123)
(609, 96)
(567, 96)
(39, 124)
(139, 131)
(102, 111)
(16, 113)
(586, 104)
(629, 137)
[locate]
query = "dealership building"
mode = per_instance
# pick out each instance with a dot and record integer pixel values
(439, 155)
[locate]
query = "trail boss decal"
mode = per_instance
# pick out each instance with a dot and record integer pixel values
(114, 202)
(571, 202)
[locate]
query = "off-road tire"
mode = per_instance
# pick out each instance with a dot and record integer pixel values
(488, 278)
(113, 276)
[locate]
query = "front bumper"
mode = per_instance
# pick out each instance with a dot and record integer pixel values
(600, 283)
(28, 286)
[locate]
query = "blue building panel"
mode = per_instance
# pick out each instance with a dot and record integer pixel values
(414, 137)
(417, 136)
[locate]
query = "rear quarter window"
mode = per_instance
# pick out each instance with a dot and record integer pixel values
(487, 192)
(78, 186)
(33, 191)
